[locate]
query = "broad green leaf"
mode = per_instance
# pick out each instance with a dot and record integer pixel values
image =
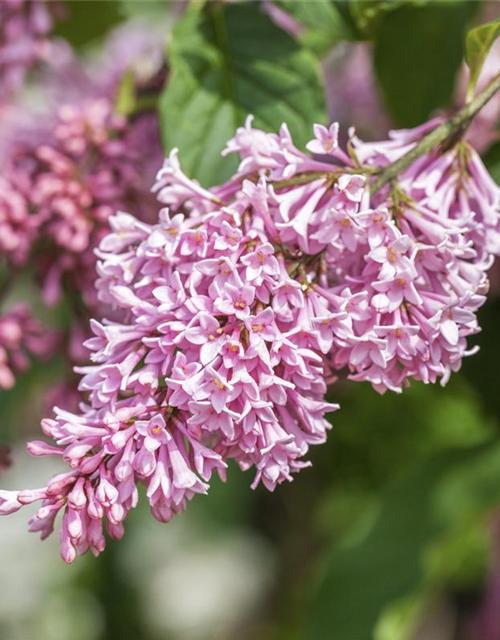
(228, 61)
(418, 51)
(477, 46)
(322, 24)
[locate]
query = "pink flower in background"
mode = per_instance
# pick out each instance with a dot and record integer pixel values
(68, 161)
(71, 184)
(22, 336)
(352, 92)
(25, 27)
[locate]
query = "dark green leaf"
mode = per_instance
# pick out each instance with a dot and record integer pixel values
(228, 61)
(410, 472)
(363, 578)
(88, 21)
(477, 46)
(492, 161)
(368, 14)
(418, 51)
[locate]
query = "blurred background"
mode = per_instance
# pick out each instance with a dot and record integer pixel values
(394, 532)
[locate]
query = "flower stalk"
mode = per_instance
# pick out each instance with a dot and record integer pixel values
(457, 124)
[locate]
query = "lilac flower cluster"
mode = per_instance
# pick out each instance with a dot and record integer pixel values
(24, 29)
(56, 196)
(21, 336)
(241, 303)
(427, 245)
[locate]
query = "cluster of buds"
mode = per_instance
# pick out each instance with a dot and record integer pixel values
(56, 197)
(243, 302)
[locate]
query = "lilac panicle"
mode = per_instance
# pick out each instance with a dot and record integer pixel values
(243, 301)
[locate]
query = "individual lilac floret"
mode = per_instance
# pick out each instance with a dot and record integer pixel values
(326, 140)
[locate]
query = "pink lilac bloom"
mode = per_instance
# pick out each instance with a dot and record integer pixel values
(21, 337)
(25, 27)
(133, 47)
(283, 19)
(67, 165)
(241, 302)
(350, 66)
(56, 198)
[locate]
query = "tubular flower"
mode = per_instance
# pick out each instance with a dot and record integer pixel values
(239, 305)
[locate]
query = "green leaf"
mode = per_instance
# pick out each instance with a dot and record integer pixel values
(418, 51)
(420, 482)
(399, 620)
(88, 21)
(368, 14)
(323, 24)
(492, 161)
(126, 97)
(228, 61)
(477, 46)
(362, 579)
(146, 8)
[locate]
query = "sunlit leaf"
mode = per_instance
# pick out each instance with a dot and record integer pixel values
(322, 24)
(221, 72)
(368, 14)
(477, 46)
